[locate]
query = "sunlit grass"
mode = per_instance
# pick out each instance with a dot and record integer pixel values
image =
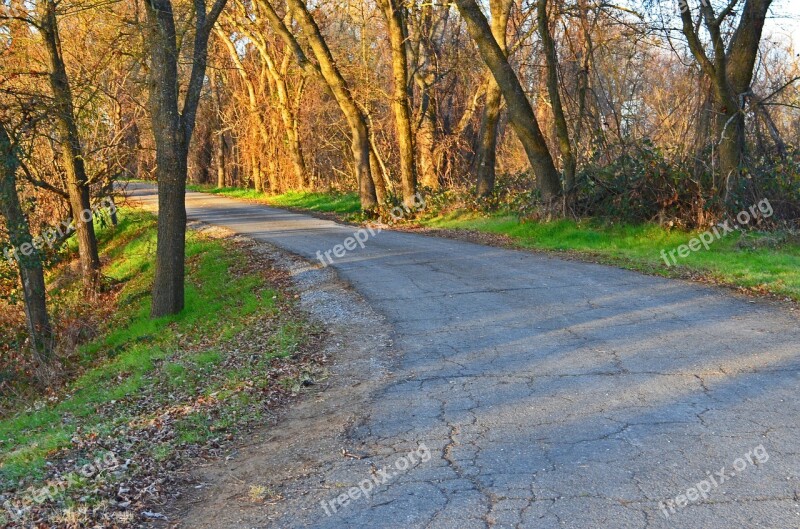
(342, 203)
(771, 269)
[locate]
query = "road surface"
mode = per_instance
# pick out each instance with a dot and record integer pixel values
(548, 393)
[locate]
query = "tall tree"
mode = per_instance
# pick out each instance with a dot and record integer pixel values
(520, 112)
(330, 73)
(72, 152)
(172, 129)
(396, 26)
(730, 69)
(559, 116)
(486, 156)
(423, 21)
(28, 258)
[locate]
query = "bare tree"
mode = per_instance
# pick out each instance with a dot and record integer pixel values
(77, 183)
(396, 26)
(730, 68)
(520, 112)
(329, 72)
(560, 118)
(486, 156)
(28, 258)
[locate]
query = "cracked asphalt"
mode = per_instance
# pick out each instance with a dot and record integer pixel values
(549, 393)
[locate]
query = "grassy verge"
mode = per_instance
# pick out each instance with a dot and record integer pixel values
(758, 262)
(155, 391)
(339, 203)
(765, 263)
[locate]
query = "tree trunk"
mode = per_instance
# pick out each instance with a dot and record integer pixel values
(378, 169)
(730, 70)
(360, 144)
(523, 120)
(730, 131)
(426, 142)
(395, 23)
(560, 118)
(173, 131)
(30, 266)
(219, 133)
(72, 151)
(424, 68)
(487, 139)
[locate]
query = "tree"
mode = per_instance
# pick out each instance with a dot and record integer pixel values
(486, 157)
(173, 129)
(368, 183)
(28, 258)
(276, 73)
(560, 118)
(77, 182)
(396, 26)
(520, 112)
(730, 70)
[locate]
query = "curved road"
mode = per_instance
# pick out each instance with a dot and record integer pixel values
(552, 394)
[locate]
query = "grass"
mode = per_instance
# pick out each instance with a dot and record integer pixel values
(340, 203)
(758, 262)
(139, 366)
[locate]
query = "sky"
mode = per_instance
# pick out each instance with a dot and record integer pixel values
(784, 21)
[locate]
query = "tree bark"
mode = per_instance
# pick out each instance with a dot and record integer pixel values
(71, 149)
(30, 266)
(559, 117)
(219, 133)
(522, 117)
(426, 142)
(395, 23)
(173, 131)
(421, 37)
(487, 138)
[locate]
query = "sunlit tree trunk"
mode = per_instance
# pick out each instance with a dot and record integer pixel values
(395, 22)
(71, 149)
(487, 138)
(560, 118)
(360, 142)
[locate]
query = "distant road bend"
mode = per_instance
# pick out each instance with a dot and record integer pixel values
(554, 393)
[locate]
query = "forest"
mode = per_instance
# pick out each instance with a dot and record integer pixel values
(647, 112)
(637, 133)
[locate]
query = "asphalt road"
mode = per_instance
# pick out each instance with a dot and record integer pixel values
(553, 393)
